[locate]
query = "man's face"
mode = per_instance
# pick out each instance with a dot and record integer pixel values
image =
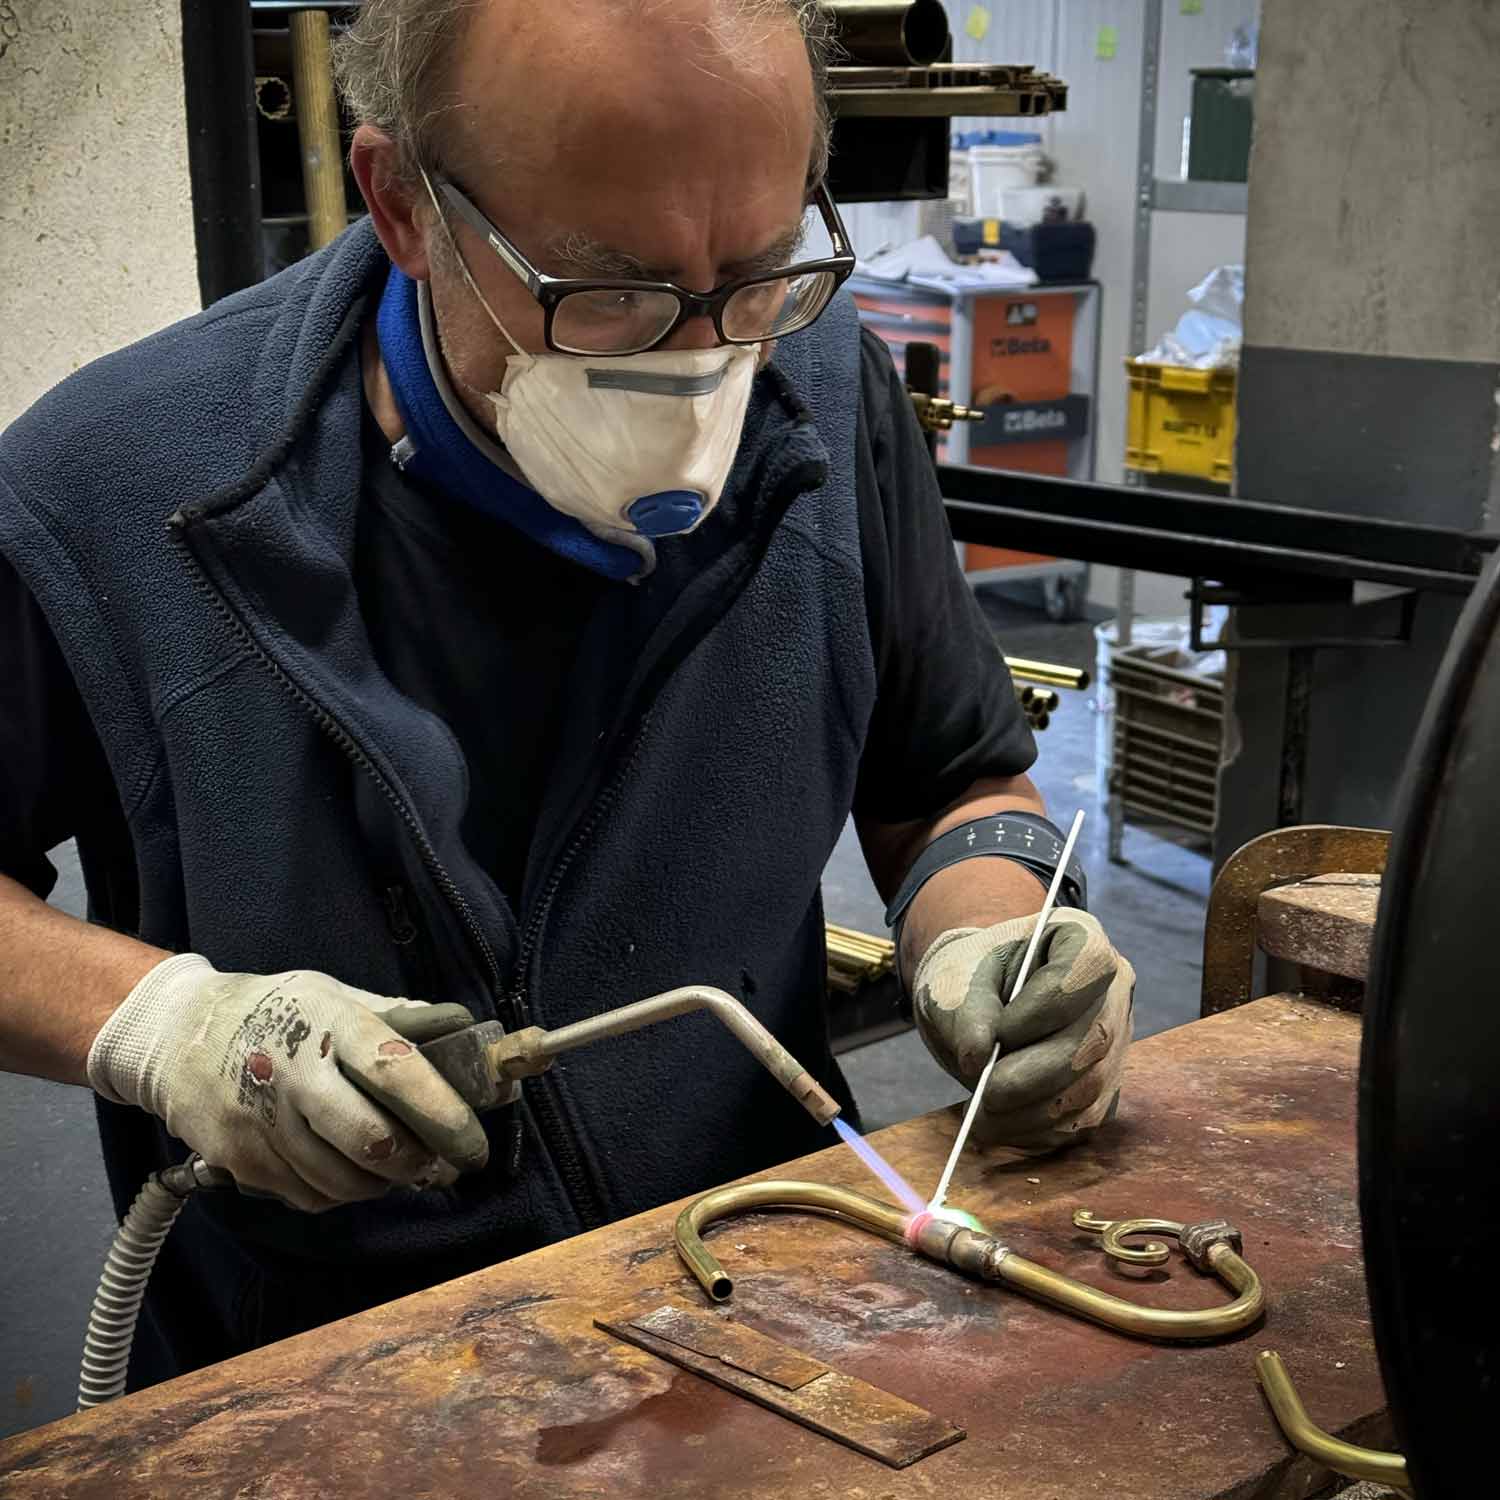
(620, 147)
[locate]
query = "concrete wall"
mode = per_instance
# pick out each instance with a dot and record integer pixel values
(96, 249)
(1371, 372)
(96, 232)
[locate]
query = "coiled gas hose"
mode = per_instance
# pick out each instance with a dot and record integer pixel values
(127, 1269)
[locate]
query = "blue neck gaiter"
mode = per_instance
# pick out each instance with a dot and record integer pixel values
(439, 452)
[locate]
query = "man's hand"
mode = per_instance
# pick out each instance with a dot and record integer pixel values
(305, 1089)
(1062, 1039)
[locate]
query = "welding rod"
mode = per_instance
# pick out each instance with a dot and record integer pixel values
(1022, 975)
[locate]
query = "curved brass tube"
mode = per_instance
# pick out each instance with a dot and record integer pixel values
(838, 1203)
(1210, 1246)
(1303, 1434)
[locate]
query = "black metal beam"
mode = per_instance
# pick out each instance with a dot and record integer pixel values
(223, 156)
(1242, 542)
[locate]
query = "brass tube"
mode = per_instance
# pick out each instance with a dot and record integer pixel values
(981, 1255)
(1307, 1437)
(1142, 1322)
(843, 1204)
(890, 32)
(1047, 673)
(318, 127)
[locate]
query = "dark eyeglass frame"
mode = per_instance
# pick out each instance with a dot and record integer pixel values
(549, 291)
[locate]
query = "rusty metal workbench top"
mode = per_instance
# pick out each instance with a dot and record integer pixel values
(498, 1384)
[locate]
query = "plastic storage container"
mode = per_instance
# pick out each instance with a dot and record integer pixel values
(999, 160)
(1181, 421)
(1168, 725)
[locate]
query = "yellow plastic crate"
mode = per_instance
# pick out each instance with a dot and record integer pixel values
(1181, 421)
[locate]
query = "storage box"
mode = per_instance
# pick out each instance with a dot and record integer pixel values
(1223, 115)
(1169, 721)
(1181, 421)
(1056, 252)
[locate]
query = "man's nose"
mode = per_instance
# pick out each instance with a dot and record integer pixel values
(695, 333)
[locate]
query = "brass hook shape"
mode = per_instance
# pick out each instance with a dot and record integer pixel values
(1211, 1246)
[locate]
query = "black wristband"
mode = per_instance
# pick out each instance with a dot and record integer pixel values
(1024, 837)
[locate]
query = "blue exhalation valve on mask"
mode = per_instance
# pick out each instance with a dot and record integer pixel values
(666, 513)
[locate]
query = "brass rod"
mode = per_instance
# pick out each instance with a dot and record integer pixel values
(1307, 1437)
(318, 126)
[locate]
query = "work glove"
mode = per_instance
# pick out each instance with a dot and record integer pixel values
(303, 1088)
(1062, 1039)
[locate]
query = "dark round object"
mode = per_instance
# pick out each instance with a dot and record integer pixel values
(1429, 1091)
(888, 33)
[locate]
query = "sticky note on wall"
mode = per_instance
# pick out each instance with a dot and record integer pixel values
(1107, 42)
(978, 24)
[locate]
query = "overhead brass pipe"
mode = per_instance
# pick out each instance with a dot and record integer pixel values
(318, 127)
(1348, 1459)
(899, 33)
(1210, 1246)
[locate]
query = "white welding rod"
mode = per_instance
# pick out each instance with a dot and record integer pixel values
(1022, 975)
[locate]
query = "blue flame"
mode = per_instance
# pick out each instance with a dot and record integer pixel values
(879, 1165)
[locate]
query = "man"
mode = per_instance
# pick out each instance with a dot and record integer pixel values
(418, 624)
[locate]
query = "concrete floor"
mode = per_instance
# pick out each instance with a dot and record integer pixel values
(55, 1216)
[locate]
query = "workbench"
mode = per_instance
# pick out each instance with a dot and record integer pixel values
(499, 1384)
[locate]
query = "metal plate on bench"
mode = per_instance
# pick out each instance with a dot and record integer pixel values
(739, 1359)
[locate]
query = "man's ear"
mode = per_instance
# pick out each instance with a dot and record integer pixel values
(397, 210)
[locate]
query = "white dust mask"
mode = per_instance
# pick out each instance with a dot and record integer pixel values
(641, 442)
(638, 444)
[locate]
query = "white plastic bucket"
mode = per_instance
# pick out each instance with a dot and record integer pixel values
(994, 170)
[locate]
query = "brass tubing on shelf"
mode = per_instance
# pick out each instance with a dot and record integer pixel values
(318, 126)
(843, 1204)
(899, 33)
(1348, 1459)
(1047, 673)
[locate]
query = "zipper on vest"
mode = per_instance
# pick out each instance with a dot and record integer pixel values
(542, 1093)
(347, 744)
(544, 1096)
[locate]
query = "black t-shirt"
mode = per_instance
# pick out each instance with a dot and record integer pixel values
(465, 613)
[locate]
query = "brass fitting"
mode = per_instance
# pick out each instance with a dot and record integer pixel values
(938, 413)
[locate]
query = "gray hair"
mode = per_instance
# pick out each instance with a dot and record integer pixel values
(392, 62)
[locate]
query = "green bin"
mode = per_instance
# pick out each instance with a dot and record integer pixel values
(1219, 142)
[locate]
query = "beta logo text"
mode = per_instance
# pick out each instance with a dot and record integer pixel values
(1034, 421)
(1012, 345)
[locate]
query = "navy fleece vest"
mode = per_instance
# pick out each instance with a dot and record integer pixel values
(184, 511)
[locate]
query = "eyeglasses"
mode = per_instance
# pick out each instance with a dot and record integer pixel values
(602, 317)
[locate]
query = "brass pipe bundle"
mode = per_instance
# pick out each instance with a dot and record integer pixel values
(856, 958)
(1212, 1246)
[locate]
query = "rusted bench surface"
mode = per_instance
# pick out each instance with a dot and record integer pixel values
(499, 1384)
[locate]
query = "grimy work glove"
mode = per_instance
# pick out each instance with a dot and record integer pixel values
(305, 1089)
(1063, 1038)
